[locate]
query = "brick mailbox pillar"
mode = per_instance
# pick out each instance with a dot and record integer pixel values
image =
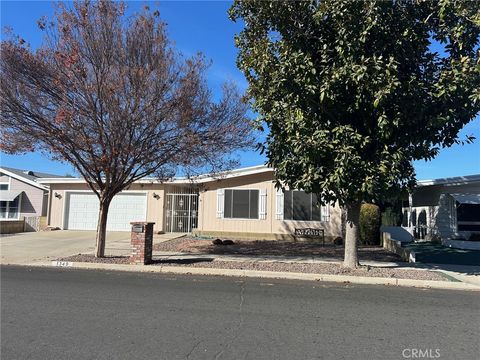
(142, 242)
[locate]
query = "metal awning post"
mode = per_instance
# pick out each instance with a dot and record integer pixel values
(410, 205)
(410, 228)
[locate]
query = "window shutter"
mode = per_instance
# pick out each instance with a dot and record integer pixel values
(263, 204)
(220, 202)
(325, 209)
(279, 205)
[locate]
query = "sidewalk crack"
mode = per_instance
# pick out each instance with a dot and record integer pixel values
(193, 349)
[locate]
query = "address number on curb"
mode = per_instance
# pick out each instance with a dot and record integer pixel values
(62, 263)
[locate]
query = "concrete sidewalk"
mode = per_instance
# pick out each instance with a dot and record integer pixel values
(39, 249)
(464, 273)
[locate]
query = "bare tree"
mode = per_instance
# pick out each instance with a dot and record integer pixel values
(111, 96)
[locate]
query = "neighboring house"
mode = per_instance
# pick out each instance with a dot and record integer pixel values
(21, 196)
(239, 203)
(446, 208)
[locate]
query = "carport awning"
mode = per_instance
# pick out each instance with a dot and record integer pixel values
(9, 195)
(467, 198)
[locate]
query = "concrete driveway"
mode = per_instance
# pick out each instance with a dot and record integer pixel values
(37, 247)
(32, 247)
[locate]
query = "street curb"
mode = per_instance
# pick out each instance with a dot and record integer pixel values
(184, 270)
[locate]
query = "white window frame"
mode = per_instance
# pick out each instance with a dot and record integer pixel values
(239, 188)
(461, 222)
(325, 215)
(9, 182)
(8, 210)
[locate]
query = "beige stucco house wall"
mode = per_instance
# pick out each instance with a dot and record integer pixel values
(59, 192)
(209, 222)
(268, 226)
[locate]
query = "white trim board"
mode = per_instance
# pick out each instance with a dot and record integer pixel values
(457, 180)
(21, 178)
(179, 180)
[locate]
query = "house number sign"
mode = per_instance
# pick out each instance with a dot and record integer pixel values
(309, 232)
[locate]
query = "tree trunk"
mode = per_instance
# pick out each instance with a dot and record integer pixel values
(352, 235)
(102, 227)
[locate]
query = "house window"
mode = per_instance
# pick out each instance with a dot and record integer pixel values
(468, 217)
(299, 205)
(9, 209)
(241, 204)
(3, 186)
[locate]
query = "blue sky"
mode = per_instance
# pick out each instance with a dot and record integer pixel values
(204, 26)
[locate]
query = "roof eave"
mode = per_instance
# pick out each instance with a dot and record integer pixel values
(195, 180)
(458, 180)
(36, 184)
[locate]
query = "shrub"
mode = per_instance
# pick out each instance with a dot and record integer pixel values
(217, 242)
(370, 224)
(338, 240)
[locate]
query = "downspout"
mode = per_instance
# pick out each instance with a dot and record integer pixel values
(49, 207)
(456, 205)
(201, 198)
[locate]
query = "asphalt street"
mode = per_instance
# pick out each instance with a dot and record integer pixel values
(51, 313)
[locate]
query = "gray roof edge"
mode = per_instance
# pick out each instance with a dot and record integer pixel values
(251, 170)
(456, 180)
(36, 174)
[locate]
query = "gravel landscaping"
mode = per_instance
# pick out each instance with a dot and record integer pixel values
(273, 248)
(92, 259)
(326, 269)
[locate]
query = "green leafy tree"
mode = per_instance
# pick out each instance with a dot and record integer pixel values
(353, 91)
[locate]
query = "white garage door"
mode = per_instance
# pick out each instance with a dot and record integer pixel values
(82, 211)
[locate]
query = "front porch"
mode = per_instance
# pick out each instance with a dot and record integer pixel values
(451, 218)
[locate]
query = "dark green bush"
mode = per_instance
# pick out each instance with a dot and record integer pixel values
(370, 218)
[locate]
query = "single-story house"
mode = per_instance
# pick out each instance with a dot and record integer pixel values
(22, 197)
(448, 209)
(238, 203)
